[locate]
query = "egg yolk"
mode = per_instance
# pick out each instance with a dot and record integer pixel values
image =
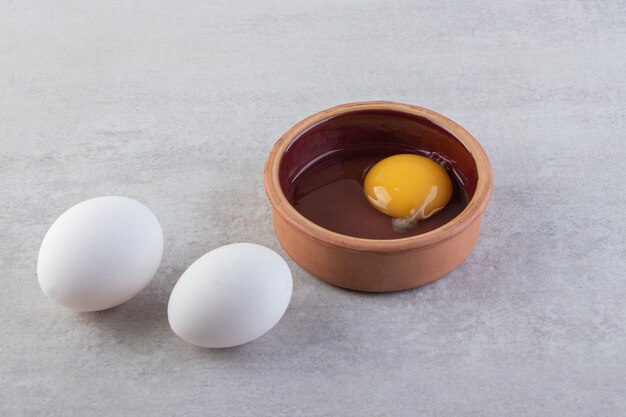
(408, 186)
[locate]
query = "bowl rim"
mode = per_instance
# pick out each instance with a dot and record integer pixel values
(474, 208)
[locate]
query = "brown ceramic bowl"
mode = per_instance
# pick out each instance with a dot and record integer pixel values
(377, 265)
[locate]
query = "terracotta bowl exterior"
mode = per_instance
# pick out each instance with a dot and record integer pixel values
(378, 265)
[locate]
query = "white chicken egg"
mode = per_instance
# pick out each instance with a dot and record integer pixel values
(230, 296)
(100, 253)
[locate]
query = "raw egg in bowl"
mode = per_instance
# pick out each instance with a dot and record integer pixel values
(378, 196)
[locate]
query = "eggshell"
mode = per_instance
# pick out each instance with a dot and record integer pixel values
(230, 296)
(100, 253)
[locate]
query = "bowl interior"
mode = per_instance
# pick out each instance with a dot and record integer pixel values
(384, 132)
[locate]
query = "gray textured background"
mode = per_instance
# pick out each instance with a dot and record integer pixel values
(177, 105)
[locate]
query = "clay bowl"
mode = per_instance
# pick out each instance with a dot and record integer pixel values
(377, 265)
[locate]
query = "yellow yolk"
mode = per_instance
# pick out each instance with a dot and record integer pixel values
(408, 186)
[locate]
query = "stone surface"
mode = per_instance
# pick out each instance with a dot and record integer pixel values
(177, 104)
